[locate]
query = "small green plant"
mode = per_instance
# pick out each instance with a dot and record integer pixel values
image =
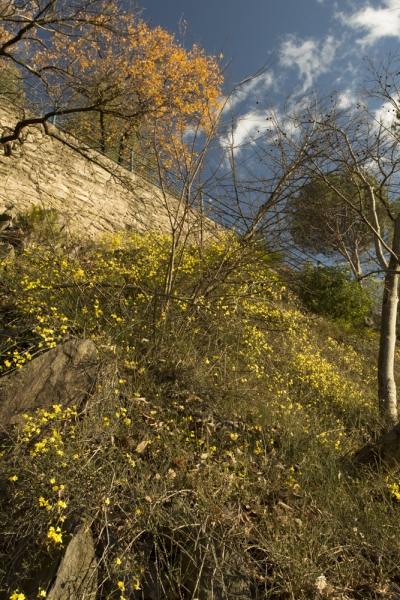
(332, 292)
(42, 224)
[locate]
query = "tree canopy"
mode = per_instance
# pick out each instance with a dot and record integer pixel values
(328, 217)
(98, 59)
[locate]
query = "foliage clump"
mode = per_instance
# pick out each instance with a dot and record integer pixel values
(332, 291)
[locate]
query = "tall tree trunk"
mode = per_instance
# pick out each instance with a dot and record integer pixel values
(387, 344)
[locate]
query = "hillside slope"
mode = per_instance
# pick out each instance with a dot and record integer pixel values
(213, 452)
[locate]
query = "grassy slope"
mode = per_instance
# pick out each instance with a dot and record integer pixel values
(233, 415)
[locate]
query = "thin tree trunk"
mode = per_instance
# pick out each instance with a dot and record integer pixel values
(387, 345)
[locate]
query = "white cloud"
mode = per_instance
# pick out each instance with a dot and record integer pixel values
(374, 23)
(347, 98)
(248, 128)
(259, 85)
(311, 57)
(385, 115)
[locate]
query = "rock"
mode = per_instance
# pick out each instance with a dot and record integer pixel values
(7, 213)
(369, 321)
(64, 375)
(70, 571)
(76, 577)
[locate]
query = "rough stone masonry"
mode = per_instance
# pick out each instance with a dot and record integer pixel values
(94, 194)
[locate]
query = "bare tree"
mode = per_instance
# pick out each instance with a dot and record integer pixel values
(264, 166)
(362, 145)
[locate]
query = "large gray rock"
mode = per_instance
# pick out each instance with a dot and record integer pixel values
(69, 571)
(64, 375)
(76, 577)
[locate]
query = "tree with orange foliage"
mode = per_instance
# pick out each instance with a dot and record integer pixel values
(86, 62)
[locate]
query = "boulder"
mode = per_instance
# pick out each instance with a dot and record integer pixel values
(76, 577)
(64, 375)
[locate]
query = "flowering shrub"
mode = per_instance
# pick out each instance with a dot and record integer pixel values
(222, 411)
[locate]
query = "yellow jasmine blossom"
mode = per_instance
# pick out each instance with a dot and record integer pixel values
(17, 596)
(55, 535)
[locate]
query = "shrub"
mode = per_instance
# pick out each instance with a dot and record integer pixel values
(331, 291)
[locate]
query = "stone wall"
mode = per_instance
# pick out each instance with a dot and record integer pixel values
(92, 192)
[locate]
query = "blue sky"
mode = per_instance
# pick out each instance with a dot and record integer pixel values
(316, 43)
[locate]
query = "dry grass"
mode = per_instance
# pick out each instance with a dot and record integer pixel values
(216, 448)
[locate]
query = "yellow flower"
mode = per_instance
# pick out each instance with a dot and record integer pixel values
(234, 436)
(107, 501)
(42, 593)
(117, 561)
(121, 586)
(55, 535)
(17, 596)
(136, 585)
(45, 503)
(13, 478)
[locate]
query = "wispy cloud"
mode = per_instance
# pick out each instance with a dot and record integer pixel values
(347, 98)
(259, 85)
(248, 128)
(311, 57)
(374, 24)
